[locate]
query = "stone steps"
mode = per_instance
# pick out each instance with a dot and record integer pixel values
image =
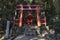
(30, 31)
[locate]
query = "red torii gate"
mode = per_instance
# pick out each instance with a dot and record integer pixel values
(37, 8)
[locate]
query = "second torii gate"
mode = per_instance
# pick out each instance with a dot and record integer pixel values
(37, 8)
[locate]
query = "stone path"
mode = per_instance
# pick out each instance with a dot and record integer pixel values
(30, 34)
(51, 37)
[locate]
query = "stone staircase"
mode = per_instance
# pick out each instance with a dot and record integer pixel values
(30, 31)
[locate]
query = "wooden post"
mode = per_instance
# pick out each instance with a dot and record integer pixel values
(38, 18)
(7, 29)
(44, 19)
(21, 15)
